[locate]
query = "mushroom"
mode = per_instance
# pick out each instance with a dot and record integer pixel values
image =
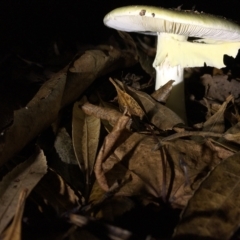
(216, 36)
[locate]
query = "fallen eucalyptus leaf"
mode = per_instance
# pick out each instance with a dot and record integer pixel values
(13, 232)
(39, 113)
(25, 175)
(85, 134)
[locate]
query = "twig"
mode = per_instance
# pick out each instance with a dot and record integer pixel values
(189, 134)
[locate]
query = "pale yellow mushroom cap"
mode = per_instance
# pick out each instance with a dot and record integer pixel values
(153, 20)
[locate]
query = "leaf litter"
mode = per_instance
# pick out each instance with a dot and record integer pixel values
(108, 162)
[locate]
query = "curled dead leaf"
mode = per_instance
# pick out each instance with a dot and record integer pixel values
(118, 134)
(126, 101)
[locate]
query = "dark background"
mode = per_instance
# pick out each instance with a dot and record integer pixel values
(27, 22)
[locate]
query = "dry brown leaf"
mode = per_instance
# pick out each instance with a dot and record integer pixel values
(13, 232)
(162, 94)
(117, 135)
(112, 111)
(85, 134)
(159, 115)
(216, 122)
(40, 112)
(109, 114)
(188, 134)
(25, 175)
(57, 192)
(214, 210)
(126, 101)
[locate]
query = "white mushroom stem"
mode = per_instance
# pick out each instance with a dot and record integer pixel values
(165, 72)
(176, 99)
(174, 53)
